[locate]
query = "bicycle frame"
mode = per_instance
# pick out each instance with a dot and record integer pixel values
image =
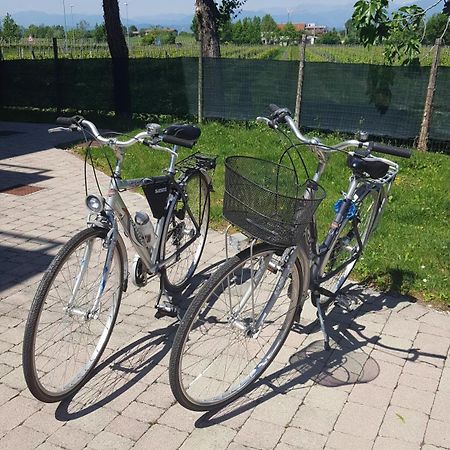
(116, 210)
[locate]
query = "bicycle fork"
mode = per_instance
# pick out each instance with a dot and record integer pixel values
(281, 282)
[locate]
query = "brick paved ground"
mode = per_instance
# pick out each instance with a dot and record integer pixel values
(386, 384)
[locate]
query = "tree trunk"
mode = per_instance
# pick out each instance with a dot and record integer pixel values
(119, 55)
(207, 16)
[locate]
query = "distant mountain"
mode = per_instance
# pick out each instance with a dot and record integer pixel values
(333, 17)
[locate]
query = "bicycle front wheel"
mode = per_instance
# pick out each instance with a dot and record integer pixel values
(344, 252)
(64, 335)
(216, 353)
(185, 233)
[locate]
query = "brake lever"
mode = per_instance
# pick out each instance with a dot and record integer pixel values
(71, 128)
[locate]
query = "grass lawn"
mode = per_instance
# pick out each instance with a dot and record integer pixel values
(409, 253)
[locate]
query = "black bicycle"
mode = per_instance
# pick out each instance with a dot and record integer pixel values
(241, 317)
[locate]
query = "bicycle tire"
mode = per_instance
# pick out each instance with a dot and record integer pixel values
(53, 323)
(177, 230)
(345, 245)
(201, 325)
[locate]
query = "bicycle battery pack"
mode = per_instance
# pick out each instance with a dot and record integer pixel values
(157, 190)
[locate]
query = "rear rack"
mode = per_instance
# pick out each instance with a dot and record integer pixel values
(197, 161)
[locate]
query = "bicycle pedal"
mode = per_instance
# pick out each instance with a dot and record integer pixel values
(165, 309)
(346, 303)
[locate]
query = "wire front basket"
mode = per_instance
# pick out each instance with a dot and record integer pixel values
(266, 201)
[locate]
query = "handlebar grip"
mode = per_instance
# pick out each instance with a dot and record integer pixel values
(390, 150)
(67, 121)
(274, 108)
(177, 141)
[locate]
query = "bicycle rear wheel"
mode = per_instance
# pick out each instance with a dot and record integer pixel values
(187, 218)
(343, 252)
(63, 341)
(215, 357)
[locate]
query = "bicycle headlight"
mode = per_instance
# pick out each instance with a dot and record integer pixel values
(95, 203)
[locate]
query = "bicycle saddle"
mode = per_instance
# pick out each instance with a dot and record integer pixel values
(183, 131)
(375, 169)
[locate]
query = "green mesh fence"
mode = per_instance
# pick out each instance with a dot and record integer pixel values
(440, 118)
(383, 100)
(243, 88)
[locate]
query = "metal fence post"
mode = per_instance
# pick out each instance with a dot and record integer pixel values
(200, 83)
(426, 118)
(301, 74)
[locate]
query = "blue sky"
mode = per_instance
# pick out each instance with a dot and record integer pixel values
(146, 7)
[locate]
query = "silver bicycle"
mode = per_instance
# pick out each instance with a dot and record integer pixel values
(76, 304)
(241, 317)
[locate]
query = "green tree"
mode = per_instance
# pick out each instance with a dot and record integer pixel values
(351, 34)
(10, 29)
(330, 38)
(268, 24)
(99, 32)
(132, 29)
(401, 31)
(289, 33)
(437, 27)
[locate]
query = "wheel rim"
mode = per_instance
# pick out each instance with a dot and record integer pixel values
(66, 342)
(346, 246)
(181, 229)
(218, 358)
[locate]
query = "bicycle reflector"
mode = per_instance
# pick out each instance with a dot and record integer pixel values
(95, 203)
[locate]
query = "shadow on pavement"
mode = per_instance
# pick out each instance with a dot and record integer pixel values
(348, 362)
(20, 175)
(19, 264)
(129, 365)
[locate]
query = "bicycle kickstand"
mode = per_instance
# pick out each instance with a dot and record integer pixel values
(164, 304)
(321, 316)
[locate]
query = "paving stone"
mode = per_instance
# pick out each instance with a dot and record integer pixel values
(318, 420)
(161, 437)
(16, 411)
(217, 438)
(422, 370)
(438, 433)
(107, 441)
(70, 437)
(414, 381)
(157, 394)
(303, 439)
(43, 422)
(383, 443)
(327, 398)
(94, 421)
(6, 393)
(401, 327)
(404, 424)
(360, 420)
(258, 434)
(412, 398)
(370, 395)
(441, 407)
(284, 406)
(22, 438)
(444, 384)
(143, 412)
(127, 427)
(341, 441)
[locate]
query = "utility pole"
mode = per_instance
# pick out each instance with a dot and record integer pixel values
(65, 25)
(128, 27)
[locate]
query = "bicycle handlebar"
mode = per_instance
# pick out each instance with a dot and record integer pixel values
(283, 115)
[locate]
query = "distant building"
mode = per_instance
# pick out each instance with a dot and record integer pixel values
(311, 30)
